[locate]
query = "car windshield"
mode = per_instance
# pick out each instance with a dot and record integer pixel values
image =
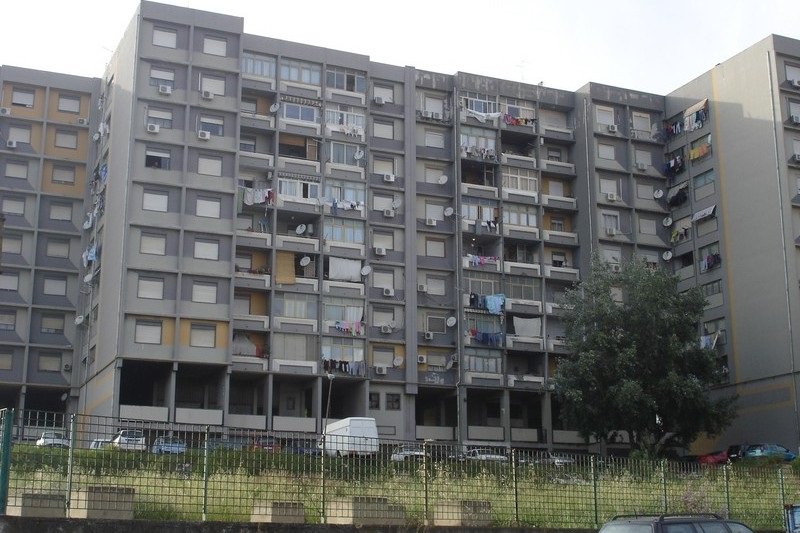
(622, 527)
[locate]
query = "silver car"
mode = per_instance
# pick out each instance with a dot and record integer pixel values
(130, 439)
(53, 439)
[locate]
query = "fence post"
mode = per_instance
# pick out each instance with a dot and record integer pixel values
(5, 457)
(782, 486)
(73, 430)
(593, 464)
(323, 516)
(664, 485)
(205, 475)
(727, 471)
(425, 470)
(516, 487)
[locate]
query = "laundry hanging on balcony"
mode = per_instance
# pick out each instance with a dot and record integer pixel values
(482, 117)
(495, 302)
(490, 339)
(344, 269)
(88, 221)
(709, 342)
(480, 260)
(527, 327)
(242, 345)
(252, 196)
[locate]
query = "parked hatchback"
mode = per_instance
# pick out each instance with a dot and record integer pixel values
(53, 439)
(171, 445)
(673, 524)
(130, 439)
(766, 451)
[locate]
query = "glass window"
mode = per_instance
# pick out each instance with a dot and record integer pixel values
(434, 247)
(641, 121)
(247, 144)
(382, 239)
(482, 103)
(208, 207)
(647, 226)
(605, 115)
(162, 76)
(301, 72)
(298, 189)
(644, 191)
(213, 84)
(66, 139)
(69, 104)
(392, 401)
(345, 230)
(13, 206)
(215, 46)
(205, 249)
(258, 65)
(609, 186)
(346, 80)
(157, 159)
(792, 72)
(434, 139)
(209, 165)
(52, 324)
(8, 320)
(57, 248)
(155, 201)
(55, 286)
(344, 153)
(383, 279)
(9, 281)
(17, 169)
(611, 220)
(153, 244)
(150, 288)
(374, 400)
(644, 157)
(437, 286)
(61, 212)
(20, 134)
(383, 130)
(381, 91)
(521, 179)
(605, 151)
(12, 244)
(165, 37)
(147, 332)
(704, 184)
(160, 117)
(213, 125)
(204, 292)
(346, 191)
(63, 175)
(49, 362)
(22, 97)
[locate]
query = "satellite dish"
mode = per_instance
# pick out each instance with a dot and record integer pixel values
(79, 320)
(397, 361)
(449, 365)
(666, 256)
(274, 107)
(305, 261)
(396, 203)
(88, 277)
(448, 211)
(358, 155)
(667, 222)
(64, 397)
(392, 324)
(96, 137)
(658, 193)
(366, 270)
(442, 179)
(451, 321)
(300, 229)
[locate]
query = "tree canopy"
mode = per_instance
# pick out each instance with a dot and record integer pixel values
(638, 365)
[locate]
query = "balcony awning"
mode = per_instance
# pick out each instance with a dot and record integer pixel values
(674, 190)
(296, 176)
(696, 107)
(704, 213)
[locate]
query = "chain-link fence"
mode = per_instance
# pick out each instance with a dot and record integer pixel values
(81, 466)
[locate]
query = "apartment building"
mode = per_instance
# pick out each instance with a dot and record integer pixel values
(264, 234)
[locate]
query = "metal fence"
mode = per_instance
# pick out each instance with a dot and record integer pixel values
(81, 466)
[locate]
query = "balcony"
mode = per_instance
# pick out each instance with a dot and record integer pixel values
(555, 309)
(567, 238)
(346, 249)
(256, 159)
(341, 170)
(527, 344)
(294, 325)
(524, 435)
(301, 284)
(256, 121)
(558, 167)
(479, 191)
(347, 130)
(517, 160)
(559, 202)
(521, 232)
(479, 262)
(523, 269)
(295, 424)
(248, 280)
(478, 227)
(344, 209)
(343, 288)
(518, 305)
(350, 329)
(520, 196)
(253, 239)
(562, 273)
(446, 433)
(188, 415)
(251, 322)
(485, 432)
(555, 132)
(298, 165)
(298, 203)
(294, 366)
(144, 412)
(246, 421)
(297, 244)
(526, 381)
(557, 345)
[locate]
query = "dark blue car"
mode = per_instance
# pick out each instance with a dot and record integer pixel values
(763, 451)
(303, 447)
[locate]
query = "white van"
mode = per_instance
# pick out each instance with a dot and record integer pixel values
(350, 436)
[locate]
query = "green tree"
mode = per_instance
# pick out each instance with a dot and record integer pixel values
(638, 365)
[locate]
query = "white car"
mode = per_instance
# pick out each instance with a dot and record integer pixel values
(485, 454)
(53, 439)
(99, 444)
(409, 453)
(130, 439)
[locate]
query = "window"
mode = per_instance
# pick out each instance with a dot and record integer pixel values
(150, 288)
(434, 105)
(241, 304)
(9, 281)
(709, 257)
(57, 248)
(644, 191)
(52, 324)
(792, 72)
(213, 125)
(433, 174)
(22, 97)
(482, 103)
(346, 309)
(604, 115)
(8, 320)
(55, 286)
(303, 113)
(208, 207)
(345, 230)
(435, 323)
(344, 154)
(301, 72)
(715, 328)
(258, 65)
(392, 401)
(382, 239)
(346, 80)
(557, 223)
(641, 121)
(383, 279)
(49, 362)
(611, 255)
(21, 134)
(704, 184)
(203, 292)
(63, 175)
(209, 165)
(343, 349)
(206, 249)
(434, 247)
(147, 332)
(605, 151)
(6, 360)
(436, 286)
(165, 37)
(243, 261)
(13, 206)
(157, 159)
(346, 191)
(162, 76)
(434, 210)
(481, 283)
(249, 106)
(61, 212)
(298, 189)
(434, 139)
(700, 148)
(153, 244)
(17, 169)
(216, 46)
(381, 202)
(374, 400)
(203, 336)
(709, 289)
(247, 144)
(383, 130)
(69, 104)
(387, 93)
(213, 84)
(645, 157)
(66, 139)
(12, 244)
(554, 154)
(520, 287)
(611, 220)
(479, 138)
(521, 179)
(519, 215)
(608, 185)
(647, 226)
(155, 201)
(159, 117)
(293, 305)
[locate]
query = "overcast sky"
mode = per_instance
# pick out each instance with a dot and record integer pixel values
(648, 45)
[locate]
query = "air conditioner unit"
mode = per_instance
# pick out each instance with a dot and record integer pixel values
(380, 251)
(612, 196)
(5, 111)
(165, 90)
(612, 128)
(641, 166)
(437, 116)
(388, 213)
(378, 100)
(423, 359)
(67, 367)
(427, 114)
(796, 156)
(153, 128)
(388, 178)
(430, 222)
(611, 231)
(795, 83)
(795, 119)
(203, 135)
(615, 267)
(386, 329)
(380, 370)
(83, 121)
(207, 95)
(11, 144)
(422, 287)
(388, 291)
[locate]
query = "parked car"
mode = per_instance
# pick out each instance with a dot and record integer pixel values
(303, 447)
(714, 458)
(267, 444)
(99, 444)
(765, 451)
(670, 523)
(409, 452)
(736, 451)
(171, 445)
(130, 439)
(53, 439)
(554, 459)
(232, 443)
(485, 454)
